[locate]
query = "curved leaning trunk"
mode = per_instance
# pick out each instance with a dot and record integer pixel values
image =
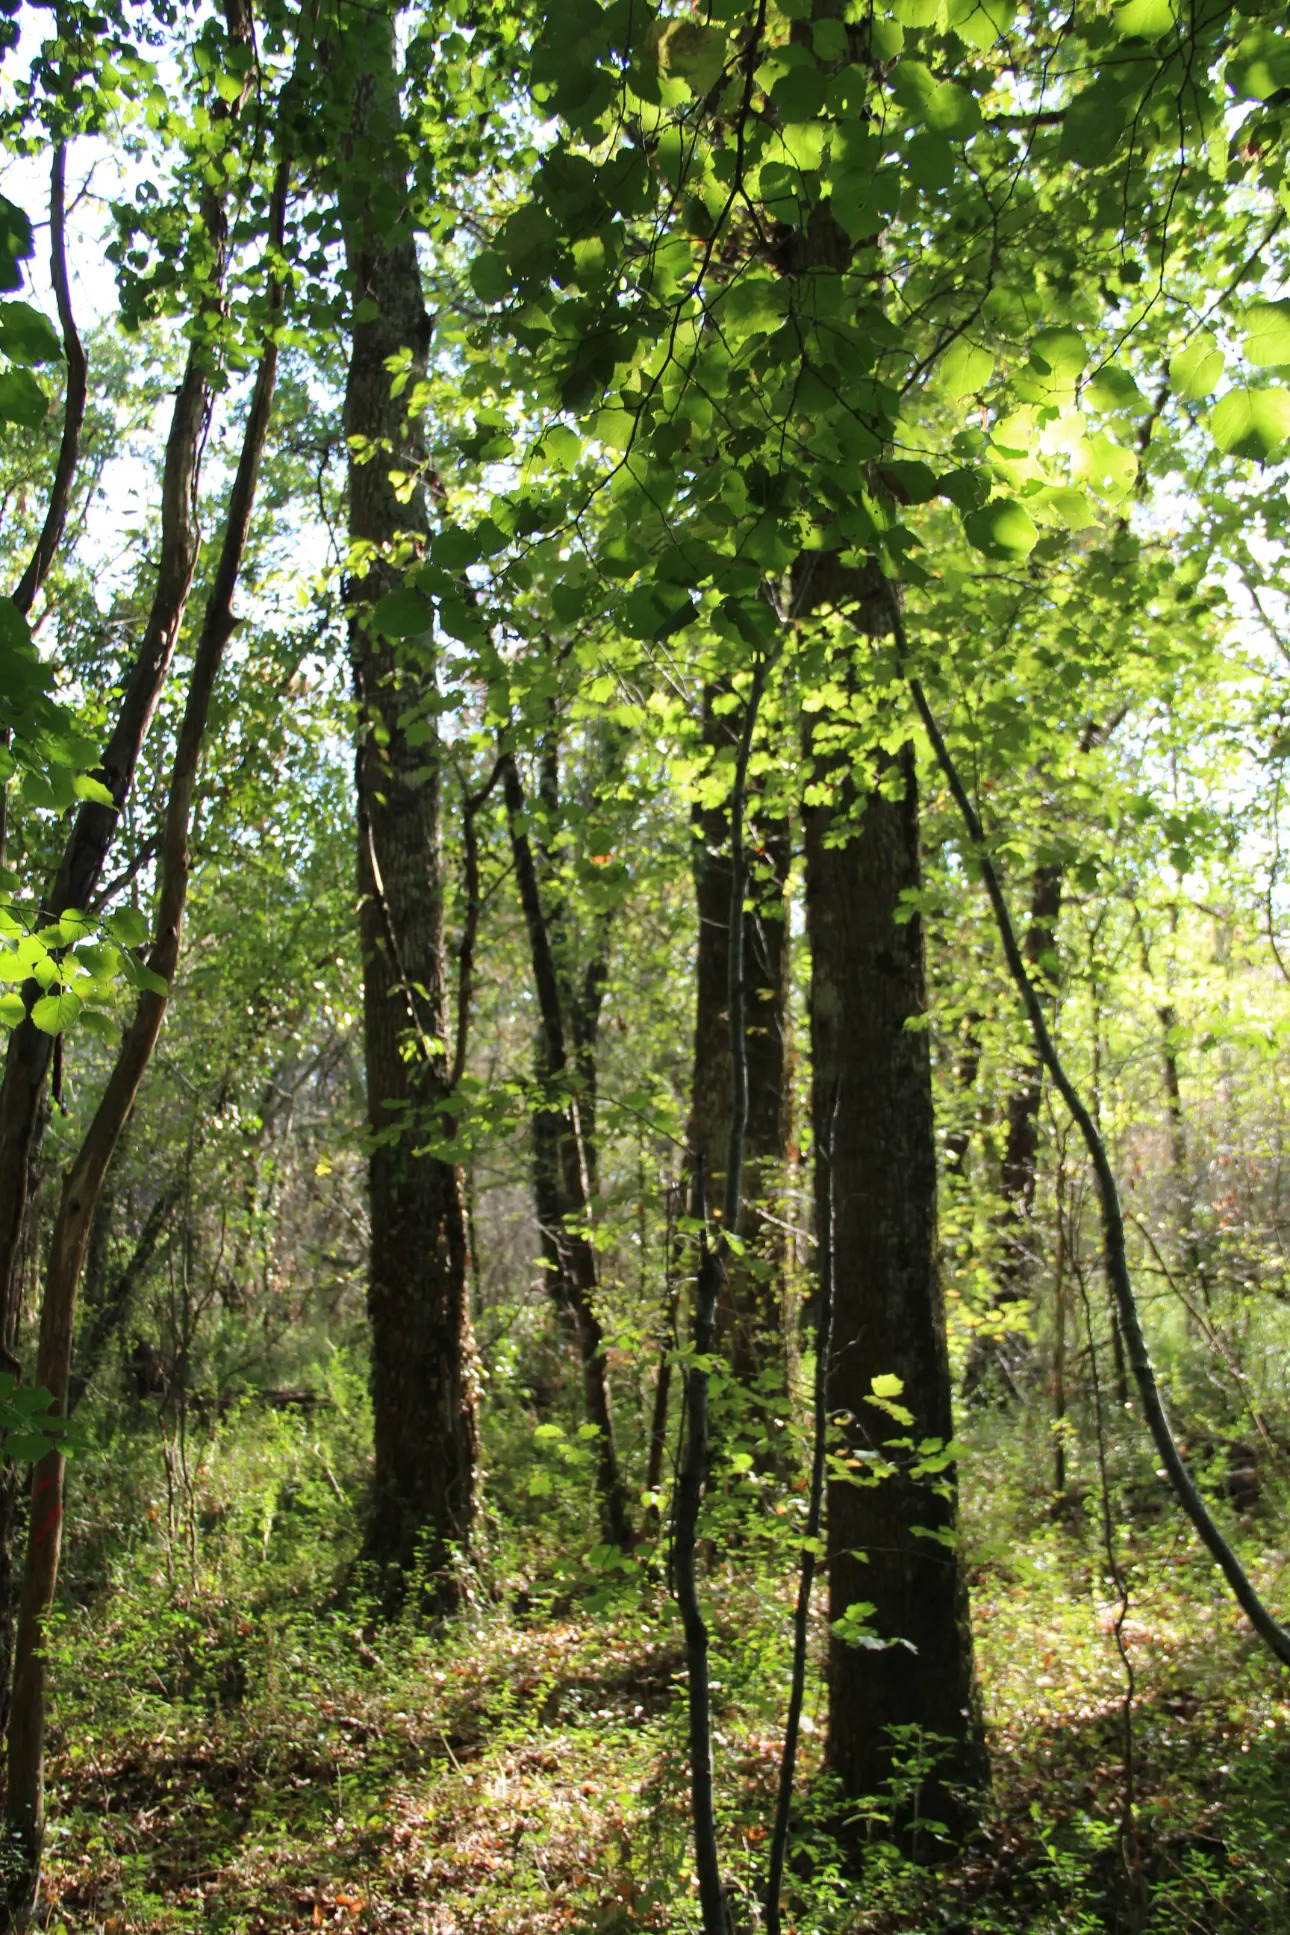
(24, 1797)
(29, 1053)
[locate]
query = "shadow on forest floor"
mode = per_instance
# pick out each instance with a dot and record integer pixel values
(531, 1780)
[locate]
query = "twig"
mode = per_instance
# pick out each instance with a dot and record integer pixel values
(1274, 1636)
(802, 1613)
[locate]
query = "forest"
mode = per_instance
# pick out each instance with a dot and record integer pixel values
(645, 967)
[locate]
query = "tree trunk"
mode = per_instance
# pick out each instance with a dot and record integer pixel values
(568, 1180)
(871, 1052)
(30, 1051)
(423, 1372)
(750, 1320)
(1004, 1349)
(24, 1800)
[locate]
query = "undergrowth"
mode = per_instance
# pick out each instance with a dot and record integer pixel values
(240, 1745)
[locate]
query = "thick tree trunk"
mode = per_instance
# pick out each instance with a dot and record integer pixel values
(423, 1373)
(750, 1320)
(871, 1052)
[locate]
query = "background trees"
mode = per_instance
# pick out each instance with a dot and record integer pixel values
(682, 420)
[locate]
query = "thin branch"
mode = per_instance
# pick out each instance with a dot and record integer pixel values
(1274, 1636)
(74, 396)
(810, 1544)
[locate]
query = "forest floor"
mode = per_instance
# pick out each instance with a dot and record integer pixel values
(524, 1771)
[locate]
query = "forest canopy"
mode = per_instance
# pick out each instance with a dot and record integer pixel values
(644, 965)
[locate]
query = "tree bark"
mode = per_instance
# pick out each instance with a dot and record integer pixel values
(871, 1052)
(566, 1179)
(24, 1800)
(30, 1051)
(750, 1320)
(423, 1376)
(1004, 1348)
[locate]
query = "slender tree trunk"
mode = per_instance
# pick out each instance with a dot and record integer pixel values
(24, 1801)
(30, 1051)
(750, 1320)
(423, 1370)
(871, 1051)
(576, 1265)
(1004, 1348)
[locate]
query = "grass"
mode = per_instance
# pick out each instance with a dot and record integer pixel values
(237, 1749)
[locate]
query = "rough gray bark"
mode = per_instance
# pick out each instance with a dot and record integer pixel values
(871, 1051)
(423, 1368)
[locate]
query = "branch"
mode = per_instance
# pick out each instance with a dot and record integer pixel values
(1274, 1636)
(815, 1510)
(74, 397)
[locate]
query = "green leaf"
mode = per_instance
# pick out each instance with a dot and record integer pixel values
(1109, 470)
(695, 54)
(22, 400)
(86, 787)
(1074, 507)
(886, 1385)
(1112, 388)
(1094, 126)
(26, 336)
(453, 549)
(12, 1010)
(1001, 529)
(562, 445)
(403, 614)
(912, 83)
(490, 278)
(1260, 67)
(929, 161)
(54, 1013)
(1267, 334)
(15, 243)
(1145, 19)
(1059, 352)
(94, 1022)
(799, 94)
(979, 23)
(1195, 371)
(128, 926)
(950, 110)
(1251, 423)
(966, 367)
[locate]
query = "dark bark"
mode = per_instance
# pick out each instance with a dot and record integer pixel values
(565, 1202)
(814, 1516)
(24, 1801)
(750, 1320)
(714, 1262)
(1005, 1348)
(423, 1370)
(60, 492)
(871, 1051)
(30, 1052)
(108, 1312)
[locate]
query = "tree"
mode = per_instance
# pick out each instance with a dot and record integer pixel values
(423, 1375)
